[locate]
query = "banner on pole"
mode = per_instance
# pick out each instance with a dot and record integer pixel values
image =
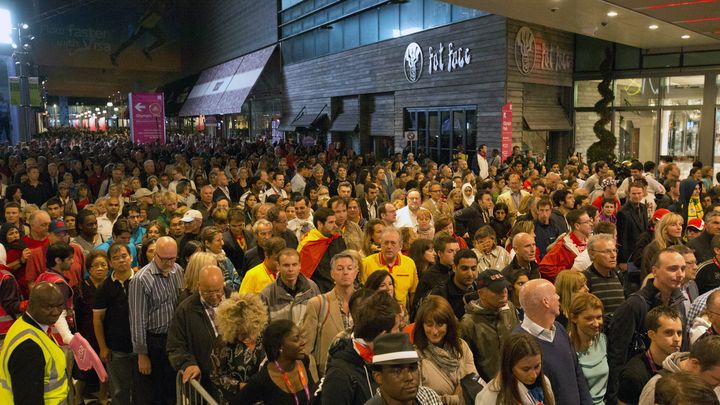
(506, 131)
(147, 117)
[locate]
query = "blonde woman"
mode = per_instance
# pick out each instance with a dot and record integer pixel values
(668, 232)
(238, 353)
(567, 284)
(192, 272)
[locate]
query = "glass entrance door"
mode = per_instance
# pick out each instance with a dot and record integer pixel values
(441, 131)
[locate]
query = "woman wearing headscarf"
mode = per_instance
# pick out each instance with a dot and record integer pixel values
(468, 194)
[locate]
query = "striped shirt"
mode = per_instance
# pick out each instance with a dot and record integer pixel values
(152, 299)
(698, 307)
(608, 289)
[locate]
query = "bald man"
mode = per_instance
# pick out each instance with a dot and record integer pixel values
(192, 332)
(525, 256)
(152, 298)
(542, 306)
(26, 376)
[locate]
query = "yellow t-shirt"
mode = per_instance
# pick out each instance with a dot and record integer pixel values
(256, 279)
(403, 272)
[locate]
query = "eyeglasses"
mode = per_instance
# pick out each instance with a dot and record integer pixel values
(606, 251)
(166, 259)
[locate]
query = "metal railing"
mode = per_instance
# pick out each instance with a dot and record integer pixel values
(192, 393)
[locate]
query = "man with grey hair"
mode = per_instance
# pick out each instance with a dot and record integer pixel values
(559, 360)
(603, 275)
(192, 332)
(263, 231)
(702, 245)
(401, 268)
(407, 215)
(328, 314)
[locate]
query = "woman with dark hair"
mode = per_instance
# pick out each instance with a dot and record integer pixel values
(147, 252)
(97, 265)
(501, 222)
(520, 380)
(17, 253)
(423, 254)
(371, 239)
(13, 193)
(444, 357)
(250, 202)
(381, 280)
(188, 250)
(285, 379)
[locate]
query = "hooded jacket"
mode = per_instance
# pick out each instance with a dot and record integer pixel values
(687, 187)
(671, 364)
(282, 305)
(484, 330)
(347, 379)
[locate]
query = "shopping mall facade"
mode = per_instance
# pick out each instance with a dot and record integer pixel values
(426, 75)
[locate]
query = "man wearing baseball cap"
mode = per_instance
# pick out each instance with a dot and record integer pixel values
(395, 369)
(695, 227)
(36, 263)
(192, 221)
(487, 321)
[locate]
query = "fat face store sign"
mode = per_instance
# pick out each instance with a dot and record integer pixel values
(442, 58)
(533, 53)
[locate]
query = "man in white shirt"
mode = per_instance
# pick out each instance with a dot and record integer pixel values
(407, 216)
(277, 187)
(299, 181)
(105, 222)
(636, 173)
(303, 221)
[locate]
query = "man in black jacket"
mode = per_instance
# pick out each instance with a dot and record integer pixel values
(237, 240)
(348, 376)
(632, 221)
(192, 332)
(445, 246)
(702, 245)
(628, 325)
(461, 282)
(469, 220)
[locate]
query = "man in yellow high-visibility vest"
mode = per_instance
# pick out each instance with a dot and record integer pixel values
(33, 365)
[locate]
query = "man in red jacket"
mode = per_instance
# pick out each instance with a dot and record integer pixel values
(561, 255)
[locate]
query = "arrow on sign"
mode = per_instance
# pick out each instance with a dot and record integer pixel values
(140, 107)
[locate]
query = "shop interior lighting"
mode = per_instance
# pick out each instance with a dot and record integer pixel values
(612, 14)
(654, 27)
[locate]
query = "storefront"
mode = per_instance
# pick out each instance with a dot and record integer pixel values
(671, 107)
(439, 90)
(238, 97)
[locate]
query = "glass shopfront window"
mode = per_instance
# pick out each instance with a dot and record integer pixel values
(441, 131)
(652, 117)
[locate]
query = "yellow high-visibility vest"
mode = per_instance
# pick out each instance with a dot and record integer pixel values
(55, 382)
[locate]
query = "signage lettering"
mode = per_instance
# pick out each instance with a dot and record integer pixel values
(531, 51)
(440, 59)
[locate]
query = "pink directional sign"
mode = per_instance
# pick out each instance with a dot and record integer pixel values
(147, 117)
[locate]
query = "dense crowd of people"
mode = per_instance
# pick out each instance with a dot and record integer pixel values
(283, 274)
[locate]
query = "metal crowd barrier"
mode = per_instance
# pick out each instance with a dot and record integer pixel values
(192, 393)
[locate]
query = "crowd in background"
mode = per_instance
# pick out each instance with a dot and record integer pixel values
(285, 274)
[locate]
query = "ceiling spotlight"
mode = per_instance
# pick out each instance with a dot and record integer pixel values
(612, 14)
(653, 27)
(686, 36)
(14, 45)
(24, 26)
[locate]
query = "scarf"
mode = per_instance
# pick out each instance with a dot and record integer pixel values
(468, 200)
(445, 361)
(695, 209)
(483, 154)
